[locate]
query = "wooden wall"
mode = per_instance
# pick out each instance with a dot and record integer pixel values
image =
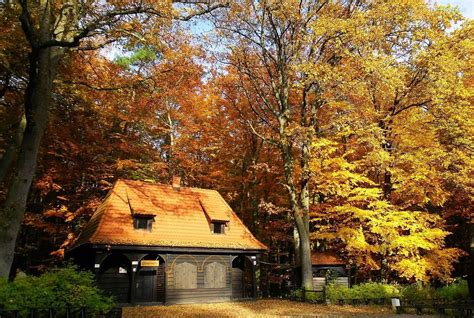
(320, 282)
(203, 278)
(199, 294)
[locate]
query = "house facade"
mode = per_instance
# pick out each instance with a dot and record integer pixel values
(328, 267)
(151, 243)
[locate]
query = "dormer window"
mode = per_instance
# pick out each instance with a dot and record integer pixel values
(218, 227)
(142, 222)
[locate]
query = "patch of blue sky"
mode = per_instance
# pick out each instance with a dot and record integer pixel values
(465, 6)
(203, 28)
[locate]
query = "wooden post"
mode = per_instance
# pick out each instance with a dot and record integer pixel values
(230, 273)
(254, 276)
(324, 295)
(133, 287)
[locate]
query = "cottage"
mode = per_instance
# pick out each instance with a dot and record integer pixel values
(155, 243)
(328, 267)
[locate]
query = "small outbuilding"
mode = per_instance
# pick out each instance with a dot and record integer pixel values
(166, 244)
(328, 267)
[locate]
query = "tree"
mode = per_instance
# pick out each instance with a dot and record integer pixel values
(267, 40)
(52, 30)
(305, 65)
(383, 154)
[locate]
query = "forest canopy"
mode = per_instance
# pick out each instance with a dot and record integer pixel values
(327, 125)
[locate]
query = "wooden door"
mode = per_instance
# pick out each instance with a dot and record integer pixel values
(146, 286)
(115, 281)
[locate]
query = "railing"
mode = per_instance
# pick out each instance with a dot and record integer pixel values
(53, 313)
(364, 301)
(461, 308)
(43, 312)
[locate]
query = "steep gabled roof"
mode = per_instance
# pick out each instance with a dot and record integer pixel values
(181, 218)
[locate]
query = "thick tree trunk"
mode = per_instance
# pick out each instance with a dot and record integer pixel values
(297, 246)
(43, 66)
(305, 252)
(299, 206)
(12, 151)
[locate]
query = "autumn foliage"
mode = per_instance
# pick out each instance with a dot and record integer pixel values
(385, 154)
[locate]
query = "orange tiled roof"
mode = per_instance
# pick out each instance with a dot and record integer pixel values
(181, 218)
(326, 258)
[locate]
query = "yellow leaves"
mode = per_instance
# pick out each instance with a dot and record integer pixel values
(440, 262)
(368, 225)
(354, 239)
(412, 268)
(436, 263)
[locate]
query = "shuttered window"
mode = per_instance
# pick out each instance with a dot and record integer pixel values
(185, 276)
(215, 275)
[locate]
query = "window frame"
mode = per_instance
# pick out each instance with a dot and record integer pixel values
(221, 227)
(139, 220)
(178, 282)
(211, 271)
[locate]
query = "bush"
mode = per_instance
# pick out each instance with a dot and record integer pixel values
(57, 289)
(417, 292)
(362, 292)
(336, 292)
(455, 291)
(297, 294)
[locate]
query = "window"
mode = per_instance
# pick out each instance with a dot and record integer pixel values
(215, 275)
(218, 227)
(142, 223)
(185, 276)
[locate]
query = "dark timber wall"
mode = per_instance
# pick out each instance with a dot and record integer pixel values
(196, 291)
(201, 277)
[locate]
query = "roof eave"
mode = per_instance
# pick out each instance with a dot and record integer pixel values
(175, 248)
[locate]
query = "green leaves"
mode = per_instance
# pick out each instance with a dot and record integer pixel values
(139, 56)
(59, 289)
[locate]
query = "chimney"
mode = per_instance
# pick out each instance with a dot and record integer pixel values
(176, 183)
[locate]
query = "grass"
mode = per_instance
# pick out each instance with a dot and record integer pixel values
(260, 308)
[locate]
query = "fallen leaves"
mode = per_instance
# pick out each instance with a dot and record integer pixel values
(259, 308)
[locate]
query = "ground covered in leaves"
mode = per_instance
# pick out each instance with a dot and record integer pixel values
(260, 308)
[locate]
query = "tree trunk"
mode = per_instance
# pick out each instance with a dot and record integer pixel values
(299, 201)
(305, 252)
(297, 246)
(43, 66)
(12, 151)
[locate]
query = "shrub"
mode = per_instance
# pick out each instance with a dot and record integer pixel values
(363, 291)
(455, 291)
(297, 294)
(336, 292)
(57, 289)
(416, 292)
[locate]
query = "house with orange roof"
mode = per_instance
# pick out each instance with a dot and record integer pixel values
(329, 267)
(156, 243)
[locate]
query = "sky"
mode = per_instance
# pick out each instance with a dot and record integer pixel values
(466, 6)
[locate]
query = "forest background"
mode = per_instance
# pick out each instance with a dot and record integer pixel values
(327, 125)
